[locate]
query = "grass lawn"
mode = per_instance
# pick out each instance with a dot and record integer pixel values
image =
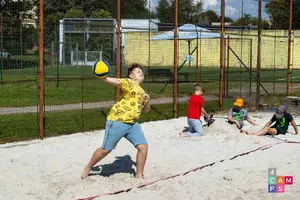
(25, 126)
(64, 85)
(76, 91)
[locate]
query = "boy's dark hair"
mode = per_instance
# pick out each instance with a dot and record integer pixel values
(133, 66)
(197, 87)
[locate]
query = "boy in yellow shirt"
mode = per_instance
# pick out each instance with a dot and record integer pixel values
(122, 120)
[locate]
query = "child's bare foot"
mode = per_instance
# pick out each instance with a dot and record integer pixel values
(139, 176)
(182, 134)
(85, 172)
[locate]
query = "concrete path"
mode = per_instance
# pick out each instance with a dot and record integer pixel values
(77, 106)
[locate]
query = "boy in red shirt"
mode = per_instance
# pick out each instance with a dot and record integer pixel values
(195, 110)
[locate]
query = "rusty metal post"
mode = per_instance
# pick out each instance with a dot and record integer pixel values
(1, 49)
(118, 56)
(175, 74)
(227, 67)
(289, 90)
(250, 77)
(221, 56)
(41, 72)
(258, 55)
(197, 60)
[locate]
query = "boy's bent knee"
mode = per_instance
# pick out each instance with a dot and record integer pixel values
(105, 151)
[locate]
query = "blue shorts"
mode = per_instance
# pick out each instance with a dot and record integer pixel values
(115, 130)
(195, 127)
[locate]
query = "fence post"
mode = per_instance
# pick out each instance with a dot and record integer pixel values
(175, 74)
(118, 62)
(250, 87)
(258, 55)
(41, 72)
(227, 67)
(289, 50)
(221, 56)
(2, 61)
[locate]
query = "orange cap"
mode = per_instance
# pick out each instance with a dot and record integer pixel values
(239, 102)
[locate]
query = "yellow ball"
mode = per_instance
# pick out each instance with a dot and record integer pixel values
(101, 69)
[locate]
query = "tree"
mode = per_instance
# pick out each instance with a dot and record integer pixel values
(210, 16)
(246, 20)
(13, 14)
(129, 8)
(164, 12)
(101, 14)
(228, 19)
(15, 9)
(75, 13)
(187, 11)
(134, 9)
(278, 11)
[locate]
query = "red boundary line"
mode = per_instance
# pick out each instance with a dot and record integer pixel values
(192, 170)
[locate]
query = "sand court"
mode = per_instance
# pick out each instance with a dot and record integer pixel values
(51, 169)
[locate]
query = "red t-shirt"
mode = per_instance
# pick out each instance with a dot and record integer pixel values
(194, 106)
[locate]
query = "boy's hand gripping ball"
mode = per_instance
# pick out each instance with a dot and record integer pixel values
(101, 69)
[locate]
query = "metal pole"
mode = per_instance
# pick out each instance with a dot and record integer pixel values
(250, 87)
(227, 67)
(189, 50)
(2, 61)
(200, 71)
(224, 79)
(21, 44)
(41, 71)
(221, 56)
(197, 60)
(118, 62)
(289, 50)
(149, 44)
(175, 74)
(258, 55)
(57, 61)
(242, 32)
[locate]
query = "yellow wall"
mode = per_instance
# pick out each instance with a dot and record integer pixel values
(274, 51)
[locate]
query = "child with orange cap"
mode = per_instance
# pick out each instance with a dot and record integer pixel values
(238, 114)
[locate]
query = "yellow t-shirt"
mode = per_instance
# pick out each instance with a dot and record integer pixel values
(129, 108)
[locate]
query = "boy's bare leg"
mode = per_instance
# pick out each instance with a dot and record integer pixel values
(141, 157)
(98, 155)
(262, 132)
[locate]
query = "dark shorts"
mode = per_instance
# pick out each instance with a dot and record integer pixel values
(279, 130)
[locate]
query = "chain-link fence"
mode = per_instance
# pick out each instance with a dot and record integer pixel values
(75, 37)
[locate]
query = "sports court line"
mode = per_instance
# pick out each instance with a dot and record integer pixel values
(264, 147)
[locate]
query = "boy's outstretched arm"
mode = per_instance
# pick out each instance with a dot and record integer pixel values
(251, 121)
(112, 80)
(203, 111)
(295, 127)
(268, 124)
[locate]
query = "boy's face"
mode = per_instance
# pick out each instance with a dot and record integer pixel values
(238, 107)
(137, 74)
